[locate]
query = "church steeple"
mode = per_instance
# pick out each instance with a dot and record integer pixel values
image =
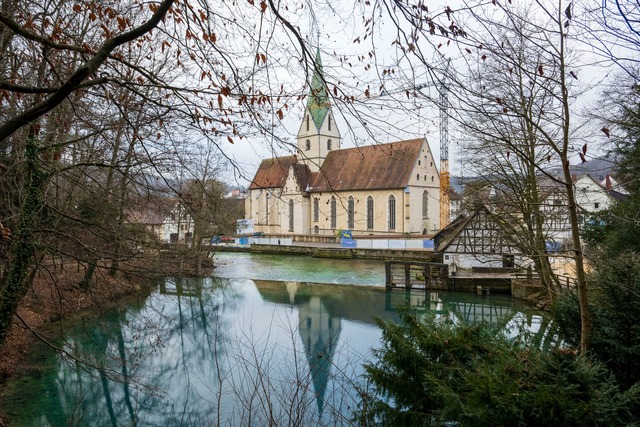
(318, 104)
(318, 133)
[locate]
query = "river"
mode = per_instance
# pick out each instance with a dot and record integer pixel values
(267, 339)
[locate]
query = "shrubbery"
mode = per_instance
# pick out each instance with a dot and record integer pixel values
(437, 372)
(614, 296)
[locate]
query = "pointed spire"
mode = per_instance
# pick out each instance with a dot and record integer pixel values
(318, 104)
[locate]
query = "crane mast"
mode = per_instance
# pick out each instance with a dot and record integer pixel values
(445, 185)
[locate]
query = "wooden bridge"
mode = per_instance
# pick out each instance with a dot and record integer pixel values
(431, 275)
(412, 274)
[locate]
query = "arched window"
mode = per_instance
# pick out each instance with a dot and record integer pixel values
(350, 213)
(329, 145)
(316, 229)
(333, 212)
(290, 215)
(316, 209)
(307, 120)
(329, 122)
(418, 177)
(425, 204)
(431, 178)
(307, 145)
(424, 178)
(369, 213)
(418, 162)
(392, 212)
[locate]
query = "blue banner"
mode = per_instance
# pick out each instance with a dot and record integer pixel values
(427, 244)
(349, 243)
(346, 234)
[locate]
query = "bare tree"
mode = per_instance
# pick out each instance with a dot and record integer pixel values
(517, 105)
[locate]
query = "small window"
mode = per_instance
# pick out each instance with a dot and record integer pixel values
(424, 178)
(418, 162)
(431, 178)
(596, 205)
(329, 145)
(425, 204)
(307, 120)
(307, 145)
(316, 209)
(431, 164)
(316, 230)
(329, 122)
(418, 177)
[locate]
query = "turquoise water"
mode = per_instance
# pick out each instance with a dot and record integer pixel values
(268, 340)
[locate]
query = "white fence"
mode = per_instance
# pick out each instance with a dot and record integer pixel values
(391, 244)
(270, 241)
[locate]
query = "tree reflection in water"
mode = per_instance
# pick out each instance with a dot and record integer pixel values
(235, 352)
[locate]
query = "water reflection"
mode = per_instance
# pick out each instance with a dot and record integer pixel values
(234, 352)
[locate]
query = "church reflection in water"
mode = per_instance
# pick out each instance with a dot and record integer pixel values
(323, 309)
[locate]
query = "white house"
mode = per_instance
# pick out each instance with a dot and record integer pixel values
(177, 227)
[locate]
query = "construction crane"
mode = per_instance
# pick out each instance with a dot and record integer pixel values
(445, 184)
(445, 178)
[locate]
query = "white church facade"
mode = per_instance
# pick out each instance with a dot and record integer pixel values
(380, 189)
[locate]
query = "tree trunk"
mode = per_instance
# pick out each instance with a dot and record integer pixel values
(22, 251)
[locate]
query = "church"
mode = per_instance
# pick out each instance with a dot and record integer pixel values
(380, 189)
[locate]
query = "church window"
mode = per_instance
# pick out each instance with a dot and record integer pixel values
(307, 145)
(431, 164)
(333, 212)
(316, 209)
(307, 120)
(290, 215)
(424, 178)
(392, 212)
(369, 213)
(266, 210)
(425, 204)
(350, 213)
(316, 229)
(418, 177)
(418, 162)
(431, 178)
(329, 123)
(329, 145)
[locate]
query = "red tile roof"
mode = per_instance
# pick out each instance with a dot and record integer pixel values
(367, 168)
(272, 173)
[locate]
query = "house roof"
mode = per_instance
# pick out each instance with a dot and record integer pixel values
(151, 211)
(303, 175)
(366, 168)
(444, 237)
(272, 173)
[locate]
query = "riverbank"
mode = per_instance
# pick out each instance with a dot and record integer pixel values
(56, 295)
